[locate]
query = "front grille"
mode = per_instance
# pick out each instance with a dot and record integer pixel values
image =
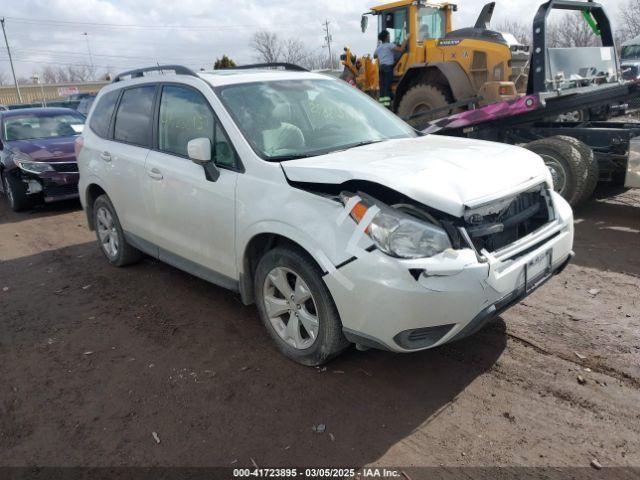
(501, 223)
(65, 166)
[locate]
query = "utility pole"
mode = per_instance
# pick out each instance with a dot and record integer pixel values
(327, 38)
(13, 72)
(86, 37)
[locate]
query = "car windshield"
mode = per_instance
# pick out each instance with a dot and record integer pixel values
(42, 125)
(290, 119)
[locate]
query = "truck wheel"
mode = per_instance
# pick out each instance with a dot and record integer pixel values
(296, 307)
(420, 99)
(16, 192)
(565, 164)
(589, 159)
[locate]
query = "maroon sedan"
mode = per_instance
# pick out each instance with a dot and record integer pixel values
(37, 158)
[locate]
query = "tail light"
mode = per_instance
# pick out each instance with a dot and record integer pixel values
(77, 146)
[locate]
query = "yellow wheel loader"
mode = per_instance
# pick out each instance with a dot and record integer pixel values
(442, 70)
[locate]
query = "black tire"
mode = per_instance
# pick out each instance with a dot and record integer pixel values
(592, 170)
(16, 192)
(126, 254)
(567, 161)
(329, 340)
(422, 98)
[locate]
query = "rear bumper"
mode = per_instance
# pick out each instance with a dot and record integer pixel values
(411, 305)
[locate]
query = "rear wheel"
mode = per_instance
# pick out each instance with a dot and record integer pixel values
(296, 307)
(592, 170)
(16, 192)
(420, 99)
(110, 234)
(565, 164)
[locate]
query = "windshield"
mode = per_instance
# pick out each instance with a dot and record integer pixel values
(42, 125)
(630, 52)
(431, 23)
(300, 118)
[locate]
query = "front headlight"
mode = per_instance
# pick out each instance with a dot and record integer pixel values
(396, 233)
(25, 163)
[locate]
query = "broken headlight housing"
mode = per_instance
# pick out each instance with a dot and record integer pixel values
(394, 232)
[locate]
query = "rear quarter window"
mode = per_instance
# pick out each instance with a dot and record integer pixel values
(101, 117)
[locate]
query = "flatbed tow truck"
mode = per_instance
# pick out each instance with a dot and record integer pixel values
(578, 154)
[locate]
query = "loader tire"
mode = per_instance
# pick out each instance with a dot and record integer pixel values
(593, 168)
(565, 164)
(420, 99)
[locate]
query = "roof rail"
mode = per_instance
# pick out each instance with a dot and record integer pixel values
(280, 65)
(139, 72)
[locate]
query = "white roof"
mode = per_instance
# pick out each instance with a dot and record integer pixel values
(231, 77)
(633, 41)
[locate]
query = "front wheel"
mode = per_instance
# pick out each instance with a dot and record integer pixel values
(16, 192)
(416, 105)
(296, 307)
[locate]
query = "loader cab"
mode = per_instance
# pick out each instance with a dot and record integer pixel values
(423, 22)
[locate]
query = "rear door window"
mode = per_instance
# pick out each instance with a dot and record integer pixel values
(101, 118)
(133, 118)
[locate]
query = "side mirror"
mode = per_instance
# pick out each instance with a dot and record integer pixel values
(199, 151)
(364, 23)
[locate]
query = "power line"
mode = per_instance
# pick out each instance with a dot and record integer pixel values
(146, 27)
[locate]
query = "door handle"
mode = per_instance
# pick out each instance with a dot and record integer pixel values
(105, 156)
(155, 174)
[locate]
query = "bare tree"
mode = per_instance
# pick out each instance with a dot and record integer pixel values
(630, 19)
(571, 30)
(267, 46)
(518, 29)
(294, 51)
(3, 78)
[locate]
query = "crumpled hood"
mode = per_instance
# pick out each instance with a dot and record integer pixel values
(56, 149)
(441, 172)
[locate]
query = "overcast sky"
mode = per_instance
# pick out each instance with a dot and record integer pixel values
(128, 33)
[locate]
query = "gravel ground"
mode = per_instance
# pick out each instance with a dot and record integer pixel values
(94, 359)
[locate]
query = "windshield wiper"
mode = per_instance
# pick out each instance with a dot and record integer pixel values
(358, 144)
(296, 156)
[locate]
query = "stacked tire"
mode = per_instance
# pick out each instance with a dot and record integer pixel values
(573, 166)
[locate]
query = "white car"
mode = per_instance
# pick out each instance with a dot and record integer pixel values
(342, 223)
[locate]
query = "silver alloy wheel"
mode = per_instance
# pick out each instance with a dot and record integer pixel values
(558, 173)
(291, 309)
(107, 232)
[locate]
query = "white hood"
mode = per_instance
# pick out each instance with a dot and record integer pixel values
(441, 172)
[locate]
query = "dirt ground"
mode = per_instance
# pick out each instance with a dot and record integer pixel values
(93, 359)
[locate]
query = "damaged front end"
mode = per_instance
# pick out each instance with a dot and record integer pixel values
(495, 225)
(447, 275)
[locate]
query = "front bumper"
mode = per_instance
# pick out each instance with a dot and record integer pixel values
(410, 305)
(52, 186)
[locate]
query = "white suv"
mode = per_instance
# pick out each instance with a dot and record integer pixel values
(342, 223)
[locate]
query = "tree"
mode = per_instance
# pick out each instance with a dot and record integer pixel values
(520, 30)
(224, 62)
(630, 19)
(267, 46)
(572, 30)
